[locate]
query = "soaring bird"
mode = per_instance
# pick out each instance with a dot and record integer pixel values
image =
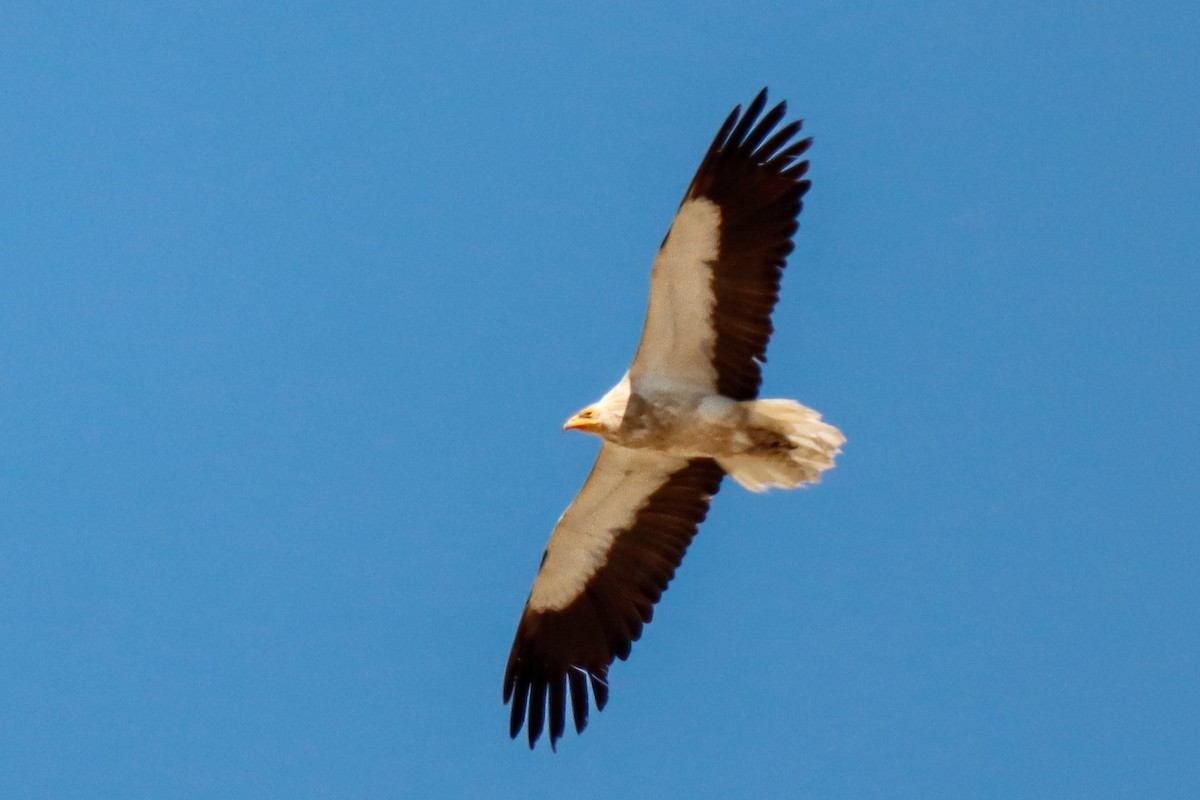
(683, 416)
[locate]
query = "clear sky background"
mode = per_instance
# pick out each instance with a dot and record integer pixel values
(294, 300)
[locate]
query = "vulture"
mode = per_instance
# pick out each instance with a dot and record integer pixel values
(683, 416)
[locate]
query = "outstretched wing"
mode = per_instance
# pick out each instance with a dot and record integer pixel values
(610, 558)
(715, 280)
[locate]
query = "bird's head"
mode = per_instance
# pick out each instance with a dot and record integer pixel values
(604, 416)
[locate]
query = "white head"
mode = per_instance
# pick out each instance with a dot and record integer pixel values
(605, 415)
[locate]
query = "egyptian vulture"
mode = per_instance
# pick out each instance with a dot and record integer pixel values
(682, 417)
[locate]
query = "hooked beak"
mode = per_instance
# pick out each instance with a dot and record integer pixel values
(581, 423)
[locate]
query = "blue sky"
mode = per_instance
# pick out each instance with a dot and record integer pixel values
(293, 301)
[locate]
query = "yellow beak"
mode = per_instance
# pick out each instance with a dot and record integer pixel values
(580, 423)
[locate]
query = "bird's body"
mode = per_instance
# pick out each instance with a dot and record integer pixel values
(760, 443)
(685, 414)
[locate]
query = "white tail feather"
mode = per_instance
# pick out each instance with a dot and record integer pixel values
(813, 444)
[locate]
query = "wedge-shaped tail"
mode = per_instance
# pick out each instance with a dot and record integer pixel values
(795, 447)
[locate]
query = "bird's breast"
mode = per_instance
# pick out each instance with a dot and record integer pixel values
(685, 425)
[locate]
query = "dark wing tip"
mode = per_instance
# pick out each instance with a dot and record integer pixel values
(537, 680)
(536, 711)
(558, 708)
(600, 689)
(579, 698)
(539, 698)
(750, 140)
(752, 111)
(517, 717)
